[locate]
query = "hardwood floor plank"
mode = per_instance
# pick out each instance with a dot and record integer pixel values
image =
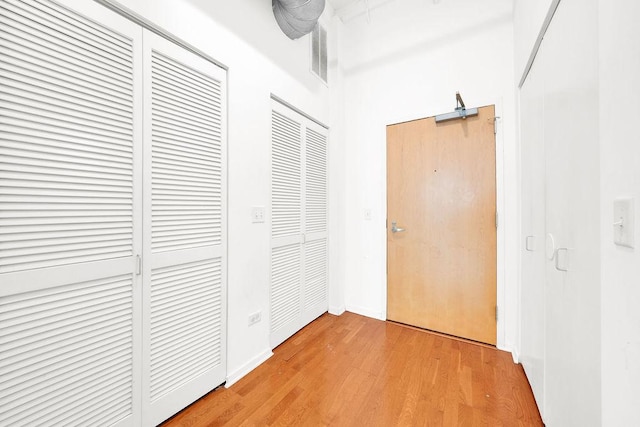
(351, 370)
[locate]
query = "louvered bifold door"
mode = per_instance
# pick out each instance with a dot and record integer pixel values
(298, 286)
(184, 345)
(69, 215)
(315, 279)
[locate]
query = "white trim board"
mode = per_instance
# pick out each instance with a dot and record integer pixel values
(145, 23)
(536, 47)
(297, 110)
(243, 370)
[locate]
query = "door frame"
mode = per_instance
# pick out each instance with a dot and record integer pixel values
(501, 291)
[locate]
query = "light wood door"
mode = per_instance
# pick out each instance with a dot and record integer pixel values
(441, 191)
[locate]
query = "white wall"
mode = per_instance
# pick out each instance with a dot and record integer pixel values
(261, 60)
(620, 170)
(529, 17)
(407, 63)
(337, 172)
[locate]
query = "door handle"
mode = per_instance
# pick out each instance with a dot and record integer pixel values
(395, 228)
(530, 243)
(565, 259)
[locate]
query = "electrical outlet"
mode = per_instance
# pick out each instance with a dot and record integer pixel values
(255, 318)
(257, 214)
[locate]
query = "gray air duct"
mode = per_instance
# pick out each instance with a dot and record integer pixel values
(297, 17)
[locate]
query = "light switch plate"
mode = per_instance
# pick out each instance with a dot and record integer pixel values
(623, 222)
(257, 214)
(367, 214)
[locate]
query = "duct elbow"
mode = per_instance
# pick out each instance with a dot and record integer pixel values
(297, 17)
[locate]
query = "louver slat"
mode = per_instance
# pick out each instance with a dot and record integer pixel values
(186, 157)
(66, 139)
(285, 285)
(316, 182)
(67, 354)
(186, 323)
(315, 274)
(286, 176)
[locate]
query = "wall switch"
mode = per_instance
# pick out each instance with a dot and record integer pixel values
(255, 318)
(367, 214)
(257, 214)
(623, 222)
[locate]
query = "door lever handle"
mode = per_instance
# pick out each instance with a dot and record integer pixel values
(395, 228)
(564, 264)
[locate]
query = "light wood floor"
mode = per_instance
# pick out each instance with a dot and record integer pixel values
(350, 370)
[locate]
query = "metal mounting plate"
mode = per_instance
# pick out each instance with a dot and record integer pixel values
(458, 114)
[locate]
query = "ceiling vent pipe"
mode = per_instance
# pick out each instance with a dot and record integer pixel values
(297, 17)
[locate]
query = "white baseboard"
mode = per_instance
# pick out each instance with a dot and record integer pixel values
(365, 311)
(337, 310)
(514, 353)
(235, 376)
(516, 357)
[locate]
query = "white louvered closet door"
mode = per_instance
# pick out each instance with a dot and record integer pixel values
(184, 344)
(299, 275)
(69, 215)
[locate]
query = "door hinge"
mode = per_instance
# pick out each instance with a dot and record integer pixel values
(495, 125)
(497, 219)
(138, 265)
(496, 313)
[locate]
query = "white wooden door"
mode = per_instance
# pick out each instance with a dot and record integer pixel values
(532, 292)
(70, 217)
(184, 269)
(572, 297)
(561, 348)
(299, 244)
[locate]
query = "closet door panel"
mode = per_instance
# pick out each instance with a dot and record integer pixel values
(314, 299)
(285, 292)
(533, 229)
(286, 177)
(184, 323)
(69, 214)
(286, 224)
(573, 291)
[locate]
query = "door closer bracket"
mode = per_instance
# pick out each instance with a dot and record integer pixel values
(460, 112)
